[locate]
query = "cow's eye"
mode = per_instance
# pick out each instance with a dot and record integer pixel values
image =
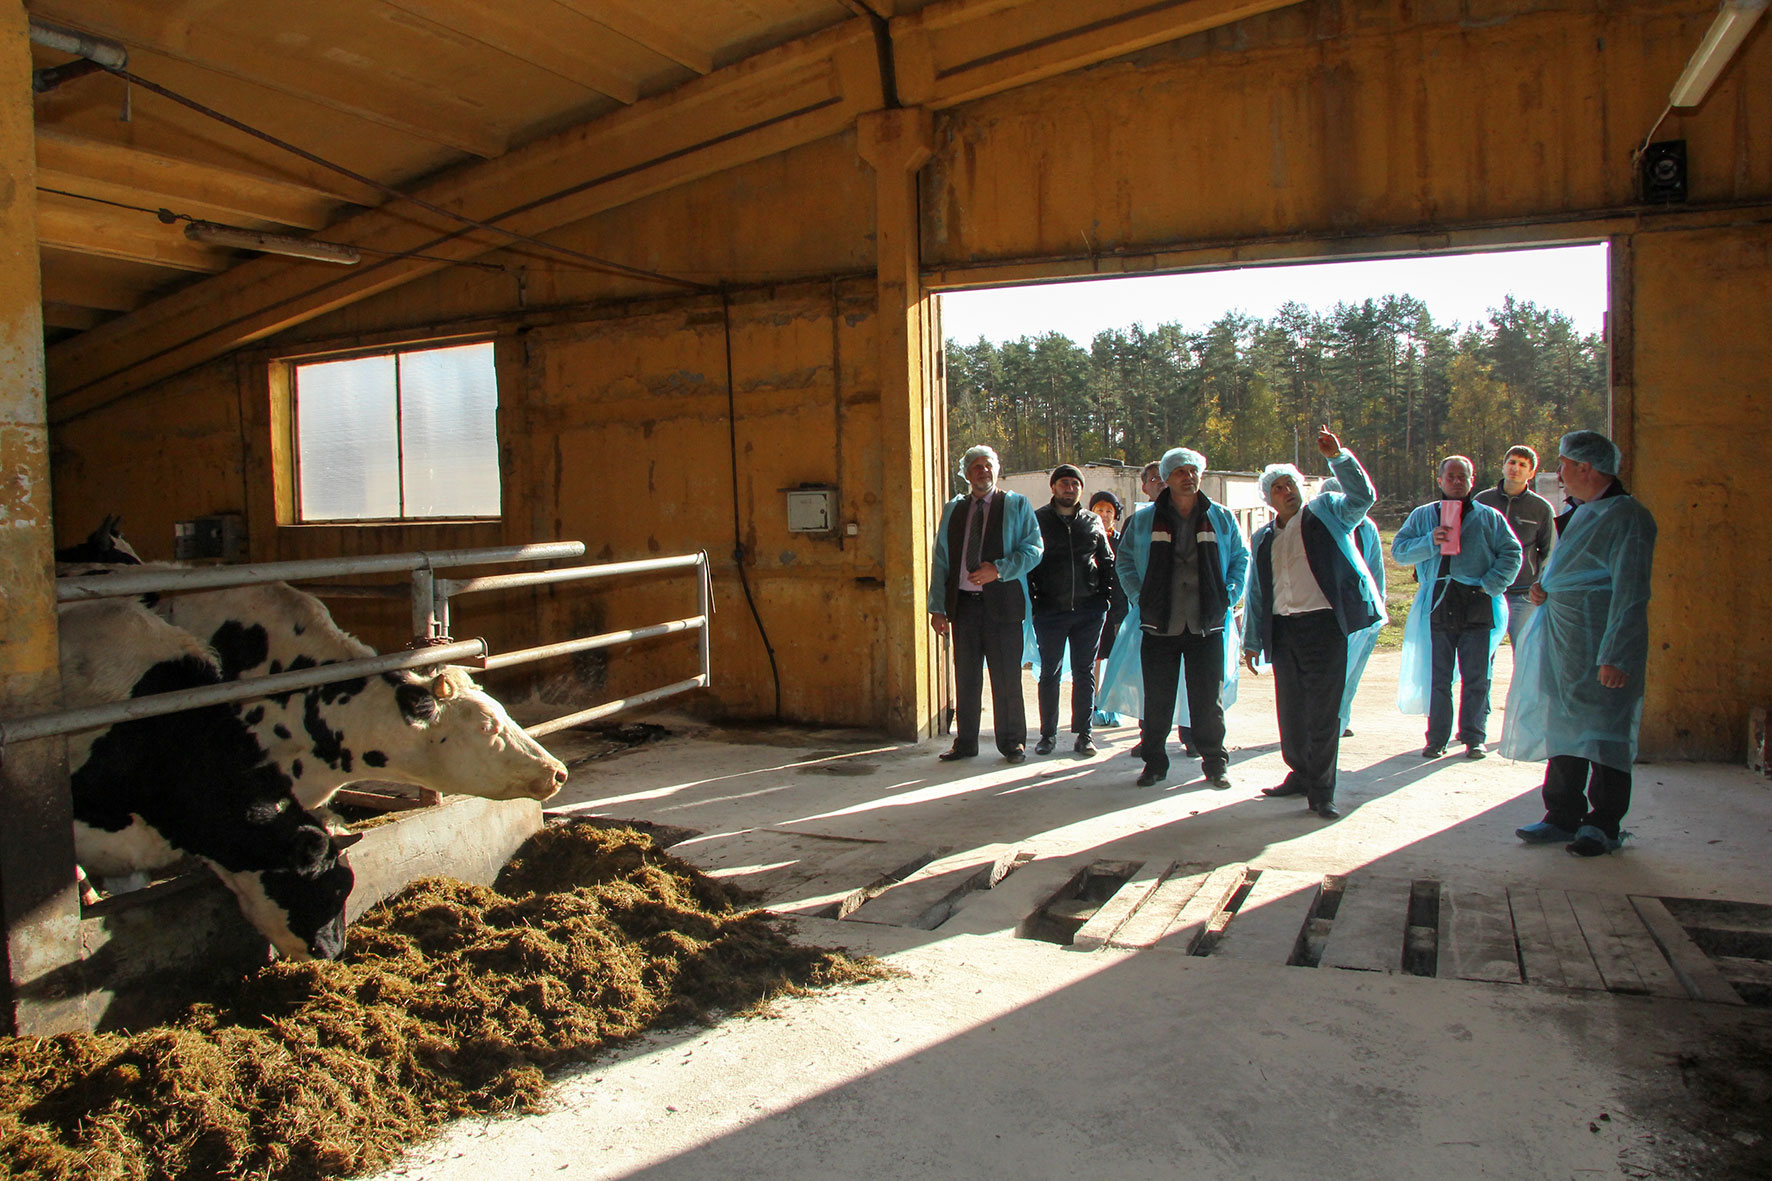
(488, 724)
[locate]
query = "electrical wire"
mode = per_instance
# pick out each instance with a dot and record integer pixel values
(737, 529)
(590, 260)
(169, 217)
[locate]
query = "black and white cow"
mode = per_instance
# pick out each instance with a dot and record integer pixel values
(434, 728)
(148, 792)
(104, 546)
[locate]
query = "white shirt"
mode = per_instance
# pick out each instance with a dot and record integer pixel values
(1295, 587)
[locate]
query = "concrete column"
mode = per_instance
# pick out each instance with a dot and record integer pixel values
(40, 986)
(896, 144)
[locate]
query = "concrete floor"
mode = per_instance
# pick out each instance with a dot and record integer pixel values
(998, 1056)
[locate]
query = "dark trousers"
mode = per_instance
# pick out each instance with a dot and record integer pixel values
(1469, 649)
(1081, 629)
(1578, 792)
(1162, 659)
(980, 641)
(1310, 673)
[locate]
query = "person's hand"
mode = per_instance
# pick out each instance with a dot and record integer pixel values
(1613, 677)
(1249, 660)
(1327, 443)
(939, 622)
(1442, 535)
(985, 574)
(1536, 594)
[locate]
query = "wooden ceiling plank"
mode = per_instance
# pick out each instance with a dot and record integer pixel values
(793, 95)
(118, 172)
(328, 75)
(80, 319)
(958, 50)
(90, 291)
(65, 223)
(515, 31)
(633, 23)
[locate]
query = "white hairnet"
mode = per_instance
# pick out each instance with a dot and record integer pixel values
(1591, 447)
(1329, 485)
(980, 451)
(1179, 457)
(1274, 471)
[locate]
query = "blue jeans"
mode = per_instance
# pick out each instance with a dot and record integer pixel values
(1469, 650)
(1081, 629)
(1519, 610)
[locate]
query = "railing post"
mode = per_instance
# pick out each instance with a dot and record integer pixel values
(424, 606)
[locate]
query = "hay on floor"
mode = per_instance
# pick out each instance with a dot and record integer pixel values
(452, 1000)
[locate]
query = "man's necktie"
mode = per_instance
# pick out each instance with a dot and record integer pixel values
(975, 534)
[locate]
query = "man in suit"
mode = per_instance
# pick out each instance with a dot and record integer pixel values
(984, 547)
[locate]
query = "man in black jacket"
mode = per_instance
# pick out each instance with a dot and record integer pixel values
(1530, 516)
(1070, 592)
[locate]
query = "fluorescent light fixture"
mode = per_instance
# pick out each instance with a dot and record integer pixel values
(218, 235)
(1735, 19)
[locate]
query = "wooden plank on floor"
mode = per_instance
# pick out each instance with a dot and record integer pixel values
(1741, 970)
(1190, 922)
(1367, 932)
(1116, 910)
(1146, 924)
(1696, 973)
(1267, 926)
(1477, 936)
(850, 880)
(1657, 974)
(1571, 947)
(1611, 955)
(1539, 962)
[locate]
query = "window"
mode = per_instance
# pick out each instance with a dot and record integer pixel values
(406, 435)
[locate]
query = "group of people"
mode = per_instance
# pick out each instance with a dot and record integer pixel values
(1149, 609)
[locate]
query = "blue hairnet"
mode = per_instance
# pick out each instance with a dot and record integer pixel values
(1329, 485)
(1179, 457)
(1274, 471)
(979, 451)
(1591, 447)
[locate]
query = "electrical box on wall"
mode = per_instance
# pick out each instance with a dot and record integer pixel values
(221, 537)
(811, 508)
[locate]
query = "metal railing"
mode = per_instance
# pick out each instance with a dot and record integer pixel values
(430, 615)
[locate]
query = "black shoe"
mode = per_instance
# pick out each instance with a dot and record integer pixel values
(1188, 752)
(1347, 733)
(1152, 778)
(1137, 751)
(1433, 752)
(1282, 789)
(1215, 776)
(948, 756)
(1475, 751)
(1327, 810)
(1085, 745)
(1044, 746)
(1015, 756)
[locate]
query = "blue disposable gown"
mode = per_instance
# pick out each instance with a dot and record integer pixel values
(1122, 681)
(1596, 612)
(1489, 556)
(1022, 548)
(1361, 643)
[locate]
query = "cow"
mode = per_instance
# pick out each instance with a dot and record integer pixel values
(433, 728)
(104, 546)
(150, 791)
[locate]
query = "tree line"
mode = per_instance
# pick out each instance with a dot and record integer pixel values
(1400, 390)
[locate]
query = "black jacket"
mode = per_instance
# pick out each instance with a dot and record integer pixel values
(1529, 514)
(1076, 569)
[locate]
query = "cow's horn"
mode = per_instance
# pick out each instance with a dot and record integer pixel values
(344, 840)
(443, 688)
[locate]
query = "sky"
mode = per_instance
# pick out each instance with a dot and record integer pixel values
(1456, 288)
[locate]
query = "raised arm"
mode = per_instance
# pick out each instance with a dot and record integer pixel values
(1021, 538)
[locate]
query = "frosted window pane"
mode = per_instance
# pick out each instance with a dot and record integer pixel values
(347, 447)
(449, 432)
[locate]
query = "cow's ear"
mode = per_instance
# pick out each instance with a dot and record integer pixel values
(344, 840)
(417, 705)
(312, 844)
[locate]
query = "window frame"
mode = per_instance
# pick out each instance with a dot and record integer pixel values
(286, 426)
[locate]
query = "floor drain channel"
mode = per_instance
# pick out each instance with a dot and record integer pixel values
(1421, 943)
(1060, 918)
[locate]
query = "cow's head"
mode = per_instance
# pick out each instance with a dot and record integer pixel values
(301, 909)
(459, 739)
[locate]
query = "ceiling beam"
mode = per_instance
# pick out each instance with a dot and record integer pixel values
(83, 227)
(796, 94)
(80, 319)
(576, 55)
(117, 172)
(85, 281)
(239, 45)
(631, 21)
(958, 50)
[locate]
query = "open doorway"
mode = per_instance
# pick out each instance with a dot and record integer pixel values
(1408, 359)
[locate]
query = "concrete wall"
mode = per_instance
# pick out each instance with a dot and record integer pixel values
(1323, 129)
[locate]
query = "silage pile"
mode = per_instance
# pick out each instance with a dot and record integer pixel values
(452, 999)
